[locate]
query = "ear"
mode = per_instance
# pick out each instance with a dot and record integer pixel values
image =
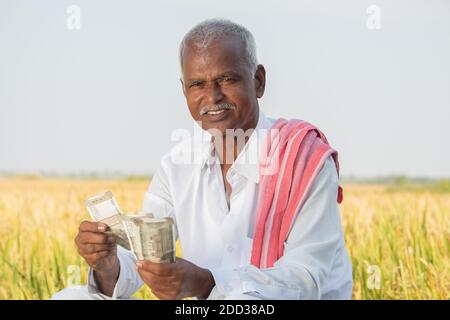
(260, 81)
(182, 86)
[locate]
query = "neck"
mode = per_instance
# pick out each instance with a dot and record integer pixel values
(229, 146)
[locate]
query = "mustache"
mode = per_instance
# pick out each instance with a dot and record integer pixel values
(216, 107)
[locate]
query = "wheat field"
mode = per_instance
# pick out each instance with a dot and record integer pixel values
(398, 240)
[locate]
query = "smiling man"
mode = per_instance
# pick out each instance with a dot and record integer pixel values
(245, 232)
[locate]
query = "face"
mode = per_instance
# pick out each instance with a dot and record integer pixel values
(219, 86)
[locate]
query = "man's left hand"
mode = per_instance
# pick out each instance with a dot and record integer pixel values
(178, 280)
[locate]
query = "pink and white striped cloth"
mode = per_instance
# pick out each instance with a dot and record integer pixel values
(295, 151)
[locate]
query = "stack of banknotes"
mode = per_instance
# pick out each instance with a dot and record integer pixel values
(147, 237)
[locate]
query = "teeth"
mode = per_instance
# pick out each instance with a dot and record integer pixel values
(215, 112)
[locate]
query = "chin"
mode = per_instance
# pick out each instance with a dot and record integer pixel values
(222, 126)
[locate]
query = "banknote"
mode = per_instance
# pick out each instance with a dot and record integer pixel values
(134, 235)
(154, 237)
(149, 238)
(104, 208)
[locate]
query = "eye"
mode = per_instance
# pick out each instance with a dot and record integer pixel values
(196, 83)
(227, 79)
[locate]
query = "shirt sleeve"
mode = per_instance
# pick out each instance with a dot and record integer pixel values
(309, 251)
(157, 200)
(128, 282)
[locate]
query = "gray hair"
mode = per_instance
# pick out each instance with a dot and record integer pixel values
(205, 32)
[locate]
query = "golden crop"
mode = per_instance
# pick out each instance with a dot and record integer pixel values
(398, 240)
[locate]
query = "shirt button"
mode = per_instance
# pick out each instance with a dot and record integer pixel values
(230, 248)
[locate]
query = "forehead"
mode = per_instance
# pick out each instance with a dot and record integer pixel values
(220, 55)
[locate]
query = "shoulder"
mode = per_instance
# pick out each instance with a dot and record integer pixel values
(328, 171)
(326, 181)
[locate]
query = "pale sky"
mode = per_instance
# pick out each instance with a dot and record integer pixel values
(107, 97)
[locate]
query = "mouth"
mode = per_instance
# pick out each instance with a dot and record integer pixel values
(217, 112)
(217, 115)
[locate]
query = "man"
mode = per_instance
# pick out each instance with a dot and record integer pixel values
(214, 201)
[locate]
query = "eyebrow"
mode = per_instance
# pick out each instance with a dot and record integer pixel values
(225, 73)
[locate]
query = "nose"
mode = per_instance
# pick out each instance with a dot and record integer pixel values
(213, 93)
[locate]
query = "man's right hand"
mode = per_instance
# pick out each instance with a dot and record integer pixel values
(99, 249)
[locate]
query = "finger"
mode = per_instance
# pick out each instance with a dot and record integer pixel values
(98, 255)
(165, 281)
(159, 284)
(91, 226)
(92, 248)
(160, 269)
(160, 288)
(156, 285)
(95, 238)
(147, 276)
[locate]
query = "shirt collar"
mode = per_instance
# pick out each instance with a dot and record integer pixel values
(247, 162)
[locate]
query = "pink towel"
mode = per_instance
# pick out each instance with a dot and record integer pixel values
(296, 150)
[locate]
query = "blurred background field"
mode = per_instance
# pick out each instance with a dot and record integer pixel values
(397, 235)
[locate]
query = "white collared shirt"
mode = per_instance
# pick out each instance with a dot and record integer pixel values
(315, 264)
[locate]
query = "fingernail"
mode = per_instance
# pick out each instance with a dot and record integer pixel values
(101, 227)
(139, 264)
